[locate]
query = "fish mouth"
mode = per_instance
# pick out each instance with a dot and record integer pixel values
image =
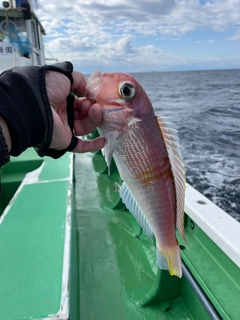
(94, 85)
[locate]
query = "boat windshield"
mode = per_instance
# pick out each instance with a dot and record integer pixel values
(13, 34)
(7, 22)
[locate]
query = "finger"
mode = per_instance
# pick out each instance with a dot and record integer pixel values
(83, 126)
(89, 145)
(82, 106)
(95, 114)
(89, 123)
(79, 82)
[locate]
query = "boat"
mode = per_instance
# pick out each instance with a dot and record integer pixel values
(69, 249)
(20, 35)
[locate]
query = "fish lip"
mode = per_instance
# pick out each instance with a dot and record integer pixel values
(117, 102)
(94, 85)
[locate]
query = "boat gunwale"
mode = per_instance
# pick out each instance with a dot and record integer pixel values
(220, 227)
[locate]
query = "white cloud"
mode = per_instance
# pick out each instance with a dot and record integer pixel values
(129, 34)
(164, 16)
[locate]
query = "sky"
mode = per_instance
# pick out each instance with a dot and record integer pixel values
(142, 35)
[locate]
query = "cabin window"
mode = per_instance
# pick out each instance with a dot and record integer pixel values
(12, 23)
(13, 35)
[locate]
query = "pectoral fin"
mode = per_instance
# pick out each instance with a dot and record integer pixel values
(109, 146)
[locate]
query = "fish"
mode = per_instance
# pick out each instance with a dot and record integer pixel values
(146, 150)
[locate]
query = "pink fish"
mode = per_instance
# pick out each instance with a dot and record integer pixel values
(146, 151)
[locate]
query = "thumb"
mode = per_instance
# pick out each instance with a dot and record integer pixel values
(89, 145)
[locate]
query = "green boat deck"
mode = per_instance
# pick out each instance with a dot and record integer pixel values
(68, 250)
(119, 277)
(34, 238)
(118, 271)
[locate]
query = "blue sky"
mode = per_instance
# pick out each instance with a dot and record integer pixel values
(142, 35)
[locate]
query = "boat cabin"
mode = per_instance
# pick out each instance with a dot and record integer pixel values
(20, 35)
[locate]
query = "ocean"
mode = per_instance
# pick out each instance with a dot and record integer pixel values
(205, 107)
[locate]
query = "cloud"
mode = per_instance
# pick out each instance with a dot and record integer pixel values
(140, 10)
(134, 35)
(112, 55)
(159, 16)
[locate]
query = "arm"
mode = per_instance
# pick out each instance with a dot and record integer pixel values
(35, 111)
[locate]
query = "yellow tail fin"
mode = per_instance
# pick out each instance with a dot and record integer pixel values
(169, 259)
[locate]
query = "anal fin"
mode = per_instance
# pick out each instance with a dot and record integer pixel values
(134, 208)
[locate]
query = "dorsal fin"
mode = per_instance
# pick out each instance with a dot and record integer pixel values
(133, 207)
(171, 142)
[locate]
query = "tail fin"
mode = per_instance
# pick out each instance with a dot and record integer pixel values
(169, 259)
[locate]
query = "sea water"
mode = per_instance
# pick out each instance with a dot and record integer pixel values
(205, 106)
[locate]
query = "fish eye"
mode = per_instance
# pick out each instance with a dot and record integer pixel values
(127, 90)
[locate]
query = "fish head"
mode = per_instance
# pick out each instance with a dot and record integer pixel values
(123, 102)
(121, 97)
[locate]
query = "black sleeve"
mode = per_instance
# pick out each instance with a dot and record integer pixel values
(25, 107)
